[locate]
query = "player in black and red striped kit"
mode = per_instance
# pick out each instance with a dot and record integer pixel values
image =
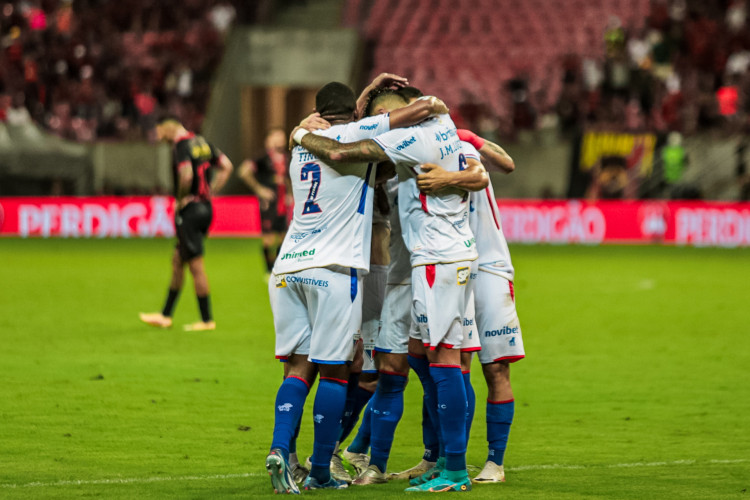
(199, 170)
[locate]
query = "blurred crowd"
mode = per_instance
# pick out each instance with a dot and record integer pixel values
(102, 68)
(686, 68)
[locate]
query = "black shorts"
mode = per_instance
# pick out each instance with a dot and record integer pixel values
(191, 224)
(271, 221)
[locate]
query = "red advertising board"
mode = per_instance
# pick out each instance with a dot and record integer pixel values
(524, 221)
(118, 217)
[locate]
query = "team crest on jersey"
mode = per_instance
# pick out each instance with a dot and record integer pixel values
(462, 275)
(280, 281)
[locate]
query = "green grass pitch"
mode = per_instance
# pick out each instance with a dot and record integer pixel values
(636, 385)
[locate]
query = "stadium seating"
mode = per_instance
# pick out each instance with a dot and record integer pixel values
(453, 47)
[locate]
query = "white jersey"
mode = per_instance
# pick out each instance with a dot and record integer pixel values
(435, 228)
(399, 269)
(332, 222)
(484, 219)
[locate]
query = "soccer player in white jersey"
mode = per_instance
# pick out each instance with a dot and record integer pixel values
(436, 232)
(315, 285)
(382, 414)
(496, 316)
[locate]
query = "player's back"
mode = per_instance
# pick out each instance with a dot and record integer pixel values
(333, 208)
(484, 220)
(435, 227)
(202, 155)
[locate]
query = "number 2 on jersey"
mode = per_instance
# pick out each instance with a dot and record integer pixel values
(311, 171)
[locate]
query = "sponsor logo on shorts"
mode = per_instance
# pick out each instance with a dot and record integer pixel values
(473, 276)
(286, 407)
(512, 342)
(408, 142)
(421, 318)
(307, 281)
(280, 281)
(462, 275)
(318, 418)
(468, 243)
(299, 255)
(506, 330)
(468, 322)
(368, 127)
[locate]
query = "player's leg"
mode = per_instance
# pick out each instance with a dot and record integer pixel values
(440, 304)
(299, 471)
(500, 411)
(196, 219)
(502, 344)
(163, 319)
(336, 315)
(293, 331)
(386, 409)
(418, 362)
(357, 450)
(471, 344)
(471, 399)
(268, 243)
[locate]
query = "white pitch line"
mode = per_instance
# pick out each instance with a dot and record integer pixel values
(158, 479)
(130, 480)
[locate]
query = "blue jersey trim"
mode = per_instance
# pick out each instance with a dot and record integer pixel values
(363, 197)
(322, 362)
(380, 349)
(354, 281)
(369, 371)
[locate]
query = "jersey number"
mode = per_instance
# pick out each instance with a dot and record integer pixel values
(462, 163)
(311, 171)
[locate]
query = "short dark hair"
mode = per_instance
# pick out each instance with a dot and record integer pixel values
(335, 99)
(410, 93)
(379, 95)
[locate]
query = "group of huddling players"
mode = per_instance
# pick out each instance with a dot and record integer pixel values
(395, 259)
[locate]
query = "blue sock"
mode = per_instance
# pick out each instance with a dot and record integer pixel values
(451, 397)
(499, 420)
(387, 408)
(293, 442)
(327, 412)
(422, 368)
(290, 401)
(429, 437)
(354, 404)
(471, 402)
(361, 442)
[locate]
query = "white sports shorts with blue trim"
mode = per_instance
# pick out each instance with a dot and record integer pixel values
(317, 312)
(497, 320)
(439, 295)
(396, 319)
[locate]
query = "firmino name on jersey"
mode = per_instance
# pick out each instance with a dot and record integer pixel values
(305, 156)
(297, 255)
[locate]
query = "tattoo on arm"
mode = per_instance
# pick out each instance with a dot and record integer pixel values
(336, 152)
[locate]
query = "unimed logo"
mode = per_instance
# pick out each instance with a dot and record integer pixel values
(297, 255)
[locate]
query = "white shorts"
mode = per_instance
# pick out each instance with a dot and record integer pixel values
(471, 338)
(317, 312)
(497, 319)
(439, 293)
(396, 320)
(373, 292)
